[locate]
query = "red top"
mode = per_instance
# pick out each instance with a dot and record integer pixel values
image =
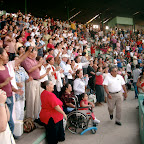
(50, 46)
(27, 34)
(99, 80)
(142, 84)
(85, 102)
(92, 50)
(48, 103)
(4, 74)
(128, 54)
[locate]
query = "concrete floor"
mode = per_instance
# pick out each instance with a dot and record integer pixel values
(108, 132)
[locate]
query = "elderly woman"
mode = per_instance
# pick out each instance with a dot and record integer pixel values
(52, 114)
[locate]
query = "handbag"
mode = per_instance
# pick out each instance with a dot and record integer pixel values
(28, 125)
(93, 97)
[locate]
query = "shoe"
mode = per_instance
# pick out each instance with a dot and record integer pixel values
(39, 122)
(15, 137)
(61, 140)
(111, 117)
(118, 123)
(96, 121)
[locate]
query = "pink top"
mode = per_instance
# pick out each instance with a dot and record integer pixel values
(85, 102)
(28, 63)
(4, 74)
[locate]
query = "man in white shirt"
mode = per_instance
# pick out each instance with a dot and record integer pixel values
(63, 64)
(113, 85)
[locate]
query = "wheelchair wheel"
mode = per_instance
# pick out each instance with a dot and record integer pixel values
(92, 124)
(77, 122)
(93, 131)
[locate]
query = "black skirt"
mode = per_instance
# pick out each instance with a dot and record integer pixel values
(54, 132)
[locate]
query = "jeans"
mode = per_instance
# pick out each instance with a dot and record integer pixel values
(10, 106)
(135, 88)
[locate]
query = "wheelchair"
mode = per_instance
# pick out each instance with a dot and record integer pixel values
(80, 121)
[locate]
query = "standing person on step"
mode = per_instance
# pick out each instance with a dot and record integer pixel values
(113, 85)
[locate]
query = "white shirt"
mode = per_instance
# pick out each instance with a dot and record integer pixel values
(42, 72)
(43, 43)
(127, 48)
(115, 62)
(114, 83)
(64, 67)
(81, 65)
(11, 65)
(56, 51)
(128, 67)
(131, 54)
(79, 85)
(69, 76)
(50, 76)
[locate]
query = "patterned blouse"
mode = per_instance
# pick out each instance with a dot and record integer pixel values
(21, 76)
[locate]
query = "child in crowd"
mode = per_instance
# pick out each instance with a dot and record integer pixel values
(85, 103)
(141, 84)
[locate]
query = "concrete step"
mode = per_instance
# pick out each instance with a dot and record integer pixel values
(35, 137)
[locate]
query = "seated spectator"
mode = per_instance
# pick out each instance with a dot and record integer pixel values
(52, 114)
(85, 103)
(66, 98)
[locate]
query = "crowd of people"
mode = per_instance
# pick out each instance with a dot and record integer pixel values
(44, 62)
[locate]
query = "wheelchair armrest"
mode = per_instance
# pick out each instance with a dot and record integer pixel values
(85, 107)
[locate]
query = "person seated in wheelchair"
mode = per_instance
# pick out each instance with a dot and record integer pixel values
(85, 103)
(67, 98)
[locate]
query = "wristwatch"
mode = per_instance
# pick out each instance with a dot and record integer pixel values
(2, 104)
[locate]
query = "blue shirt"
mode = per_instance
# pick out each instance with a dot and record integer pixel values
(119, 64)
(64, 67)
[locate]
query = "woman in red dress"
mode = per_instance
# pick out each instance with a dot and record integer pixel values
(52, 114)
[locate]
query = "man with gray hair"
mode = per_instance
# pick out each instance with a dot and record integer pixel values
(113, 85)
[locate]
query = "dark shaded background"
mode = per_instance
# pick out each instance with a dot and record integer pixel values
(88, 8)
